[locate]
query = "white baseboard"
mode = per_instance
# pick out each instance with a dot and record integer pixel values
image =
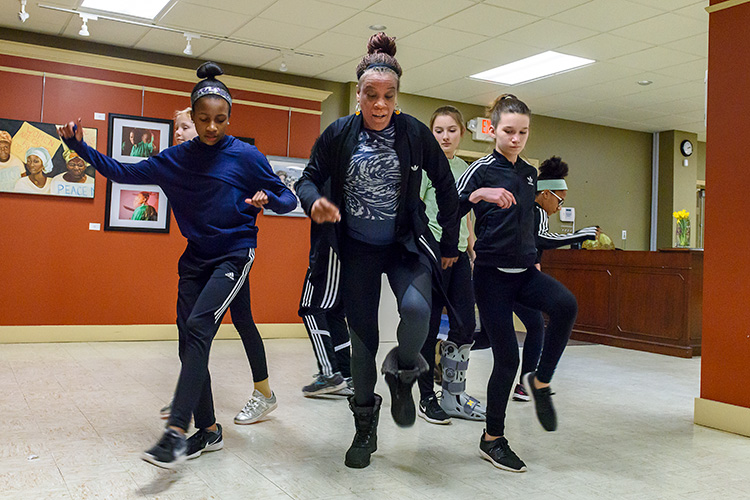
(722, 416)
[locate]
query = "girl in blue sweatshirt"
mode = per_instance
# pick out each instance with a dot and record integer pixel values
(216, 185)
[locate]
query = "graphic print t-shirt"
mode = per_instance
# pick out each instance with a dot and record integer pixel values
(372, 188)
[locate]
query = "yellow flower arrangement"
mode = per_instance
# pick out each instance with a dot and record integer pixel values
(682, 214)
(683, 227)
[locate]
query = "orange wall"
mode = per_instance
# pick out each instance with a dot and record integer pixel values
(55, 271)
(725, 364)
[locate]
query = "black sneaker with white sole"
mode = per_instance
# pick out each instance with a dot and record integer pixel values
(499, 454)
(431, 411)
(520, 394)
(204, 440)
(169, 451)
(545, 410)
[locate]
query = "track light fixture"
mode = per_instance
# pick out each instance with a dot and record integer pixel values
(23, 15)
(189, 48)
(84, 31)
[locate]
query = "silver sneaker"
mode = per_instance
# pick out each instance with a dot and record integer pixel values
(348, 390)
(257, 407)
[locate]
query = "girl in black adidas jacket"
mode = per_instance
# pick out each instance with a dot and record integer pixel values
(374, 160)
(501, 188)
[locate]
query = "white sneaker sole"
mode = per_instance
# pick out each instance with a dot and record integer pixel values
(258, 418)
(325, 390)
(164, 465)
(518, 397)
(433, 420)
(210, 447)
(497, 465)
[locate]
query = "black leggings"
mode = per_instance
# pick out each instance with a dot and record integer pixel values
(458, 288)
(206, 289)
(496, 292)
(533, 320)
(409, 277)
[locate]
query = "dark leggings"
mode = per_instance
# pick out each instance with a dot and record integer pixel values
(206, 289)
(409, 277)
(533, 320)
(496, 292)
(458, 288)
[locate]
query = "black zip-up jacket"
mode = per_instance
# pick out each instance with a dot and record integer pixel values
(505, 236)
(417, 150)
(546, 240)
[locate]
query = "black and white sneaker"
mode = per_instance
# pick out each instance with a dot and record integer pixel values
(169, 452)
(431, 411)
(499, 454)
(204, 440)
(545, 410)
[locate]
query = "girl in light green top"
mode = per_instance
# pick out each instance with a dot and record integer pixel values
(447, 126)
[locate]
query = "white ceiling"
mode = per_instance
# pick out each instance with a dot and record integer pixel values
(441, 42)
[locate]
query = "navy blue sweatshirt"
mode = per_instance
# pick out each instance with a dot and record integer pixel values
(207, 187)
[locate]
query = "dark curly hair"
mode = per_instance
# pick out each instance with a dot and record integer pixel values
(553, 168)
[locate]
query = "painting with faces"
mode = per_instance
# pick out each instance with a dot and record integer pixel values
(33, 160)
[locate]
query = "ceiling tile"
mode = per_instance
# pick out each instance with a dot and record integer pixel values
(461, 89)
(668, 4)
(428, 11)
(40, 20)
(335, 43)
(249, 57)
(548, 35)
(690, 71)
(680, 106)
(662, 29)
(342, 73)
(632, 114)
(606, 15)
(310, 13)
(487, 20)
(112, 32)
(542, 8)
(357, 4)
(203, 19)
(360, 23)
(237, 6)
(276, 33)
(696, 45)
(441, 39)
(411, 57)
(604, 47)
(615, 90)
(498, 52)
(653, 58)
(696, 10)
(173, 43)
(309, 66)
(443, 70)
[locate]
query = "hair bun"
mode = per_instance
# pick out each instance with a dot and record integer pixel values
(553, 168)
(209, 70)
(381, 43)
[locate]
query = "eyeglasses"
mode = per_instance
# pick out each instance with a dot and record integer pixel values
(560, 201)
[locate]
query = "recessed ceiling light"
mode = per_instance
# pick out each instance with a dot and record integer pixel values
(378, 27)
(137, 8)
(533, 68)
(645, 82)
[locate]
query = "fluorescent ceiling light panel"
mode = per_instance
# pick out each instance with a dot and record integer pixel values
(137, 8)
(533, 68)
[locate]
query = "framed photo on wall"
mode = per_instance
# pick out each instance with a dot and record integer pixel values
(139, 207)
(136, 207)
(289, 171)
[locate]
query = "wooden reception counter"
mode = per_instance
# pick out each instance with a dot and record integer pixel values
(650, 301)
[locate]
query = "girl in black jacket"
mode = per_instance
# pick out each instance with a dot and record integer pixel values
(374, 160)
(501, 188)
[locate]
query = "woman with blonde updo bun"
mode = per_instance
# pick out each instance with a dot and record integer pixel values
(373, 160)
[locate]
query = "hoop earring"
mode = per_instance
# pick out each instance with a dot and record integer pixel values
(397, 110)
(357, 109)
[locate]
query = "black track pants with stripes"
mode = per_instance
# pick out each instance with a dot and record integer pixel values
(206, 289)
(329, 335)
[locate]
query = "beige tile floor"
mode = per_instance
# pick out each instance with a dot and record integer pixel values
(76, 417)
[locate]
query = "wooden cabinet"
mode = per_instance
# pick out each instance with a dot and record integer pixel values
(650, 301)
